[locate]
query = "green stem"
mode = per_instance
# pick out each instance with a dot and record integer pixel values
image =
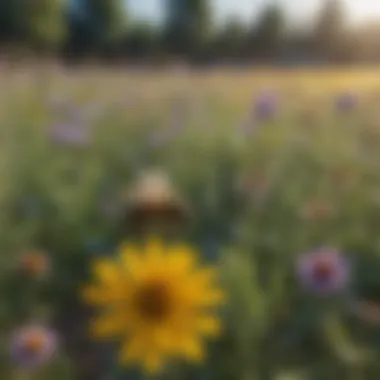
(355, 373)
(22, 374)
(352, 357)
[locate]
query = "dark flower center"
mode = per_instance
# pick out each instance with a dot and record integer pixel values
(153, 302)
(323, 269)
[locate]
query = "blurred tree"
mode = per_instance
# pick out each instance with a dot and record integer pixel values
(329, 30)
(231, 40)
(96, 26)
(141, 42)
(298, 49)
(37, 25)
(268, 33)
(187, 27)
(42, 23)
(9, 21)
(363, 44)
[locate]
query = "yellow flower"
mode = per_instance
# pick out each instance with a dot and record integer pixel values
(159, 300)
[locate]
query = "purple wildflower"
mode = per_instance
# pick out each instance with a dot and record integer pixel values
(266, 106)
(33, 346)
(323, 272)
(346, 102)
(75, 135)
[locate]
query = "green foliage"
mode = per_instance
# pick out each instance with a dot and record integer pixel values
(38, 24)
(46, 23)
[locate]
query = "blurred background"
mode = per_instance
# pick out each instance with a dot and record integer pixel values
(253, 126)
(217, 31)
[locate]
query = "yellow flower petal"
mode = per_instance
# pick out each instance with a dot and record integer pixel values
(211, 297)
(140, 349)
(127, 247)
(132, 262)
(181, 260)
(208, 326)
(193, 350)
(153, 364)
(205, 276)
(94, 295)
(182, 292)
(106, 271)
(154, 250)
(108, 326)
(199, 295)
(98, 295)
(164, 338)
(133, 350)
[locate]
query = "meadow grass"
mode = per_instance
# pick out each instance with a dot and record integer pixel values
(261, 193)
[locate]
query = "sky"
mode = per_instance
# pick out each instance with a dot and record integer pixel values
(298, 11)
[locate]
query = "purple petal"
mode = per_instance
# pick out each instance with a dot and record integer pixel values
(68, 134)
(23, 357)
(333, 283)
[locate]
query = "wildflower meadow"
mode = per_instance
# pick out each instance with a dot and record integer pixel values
(213, 224)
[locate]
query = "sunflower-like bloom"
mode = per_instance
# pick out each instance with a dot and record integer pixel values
(159, 301)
